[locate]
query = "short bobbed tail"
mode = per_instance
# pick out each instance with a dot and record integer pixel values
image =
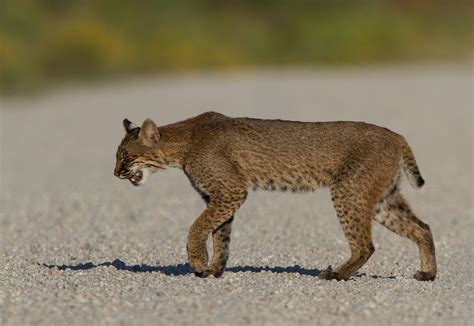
(410, 167)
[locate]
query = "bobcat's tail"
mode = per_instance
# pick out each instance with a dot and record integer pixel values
(410, 167)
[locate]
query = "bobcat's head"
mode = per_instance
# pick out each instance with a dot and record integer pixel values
(138, 154)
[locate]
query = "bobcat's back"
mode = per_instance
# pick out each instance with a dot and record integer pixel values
(297, 156)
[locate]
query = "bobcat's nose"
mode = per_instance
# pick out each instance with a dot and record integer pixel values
(118, 172)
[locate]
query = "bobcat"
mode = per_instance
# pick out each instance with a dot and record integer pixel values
(224, 157)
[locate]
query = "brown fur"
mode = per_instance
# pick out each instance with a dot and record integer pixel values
(223, 157)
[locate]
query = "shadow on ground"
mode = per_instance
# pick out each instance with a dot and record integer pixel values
(185, 269)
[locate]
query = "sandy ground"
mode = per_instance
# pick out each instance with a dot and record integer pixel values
(82, 247)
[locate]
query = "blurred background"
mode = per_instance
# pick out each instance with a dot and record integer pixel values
(44, 43)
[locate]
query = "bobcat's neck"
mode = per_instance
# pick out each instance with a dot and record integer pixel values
(174, 143)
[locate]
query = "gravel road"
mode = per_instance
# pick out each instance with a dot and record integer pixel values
(81, 247)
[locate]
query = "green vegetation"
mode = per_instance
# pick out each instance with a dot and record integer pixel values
(51, 40)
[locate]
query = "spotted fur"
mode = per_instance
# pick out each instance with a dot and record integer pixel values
(224, 157)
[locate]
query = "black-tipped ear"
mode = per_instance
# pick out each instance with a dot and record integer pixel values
(149, 133)
(128, 125)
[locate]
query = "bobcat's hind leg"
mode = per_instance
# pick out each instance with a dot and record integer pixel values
(395, 214)
(355, 216)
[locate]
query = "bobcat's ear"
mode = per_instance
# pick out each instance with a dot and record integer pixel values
(128, 125)
(149, 133)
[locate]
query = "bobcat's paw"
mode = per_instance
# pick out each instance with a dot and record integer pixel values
(203, 274)
(330, 275)
(216, 271)
(424, 276)
(197, 259)
(199, 271)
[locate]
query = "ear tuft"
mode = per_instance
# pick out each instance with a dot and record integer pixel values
(129, 126)
(149, 133)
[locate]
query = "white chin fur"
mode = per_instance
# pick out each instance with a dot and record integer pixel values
(146, 172)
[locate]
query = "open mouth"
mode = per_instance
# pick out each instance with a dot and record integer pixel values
(136, 178)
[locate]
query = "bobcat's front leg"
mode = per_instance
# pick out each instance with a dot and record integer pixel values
(219, 211)
(197, 237)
